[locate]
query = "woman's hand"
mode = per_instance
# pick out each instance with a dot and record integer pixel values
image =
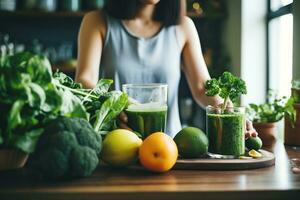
(123, 120)
(250, 131)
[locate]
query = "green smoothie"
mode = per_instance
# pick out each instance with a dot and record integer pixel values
(147, 119)
(226, 133)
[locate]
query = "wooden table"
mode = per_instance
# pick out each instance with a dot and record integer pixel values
(277, 182)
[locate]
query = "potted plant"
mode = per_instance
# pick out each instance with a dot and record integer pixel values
(225, 124)
(292, 130)
(266, 115)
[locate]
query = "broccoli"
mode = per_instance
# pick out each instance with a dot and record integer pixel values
(69, 147)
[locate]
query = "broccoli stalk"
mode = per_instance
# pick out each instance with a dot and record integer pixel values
(227, 86)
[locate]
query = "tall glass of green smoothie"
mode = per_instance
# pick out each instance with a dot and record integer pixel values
(147, 109)
(226, 130)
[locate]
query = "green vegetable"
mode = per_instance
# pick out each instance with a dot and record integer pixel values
(227, 86)
(29, 99)
(68, 148)
(103, 106)
(272, 111)
(253, 143)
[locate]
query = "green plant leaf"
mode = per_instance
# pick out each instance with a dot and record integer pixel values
(26, 141)
(14, 116)
(110, 109)
(1, 137)
(53, 101)
(36, 95)
(71, 105)
(40, 69)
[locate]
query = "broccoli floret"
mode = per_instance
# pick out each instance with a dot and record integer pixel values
(53, 163)
(63, 141)
(68, 148)
(83, 161)
(91, 139)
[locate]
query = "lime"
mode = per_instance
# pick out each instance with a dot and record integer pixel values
(254, 154)
(254, 143)
(120, 148)
(191, 142)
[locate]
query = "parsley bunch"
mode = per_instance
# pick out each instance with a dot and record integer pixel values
(227, 86)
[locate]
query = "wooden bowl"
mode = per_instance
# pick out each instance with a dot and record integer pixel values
(12, 159)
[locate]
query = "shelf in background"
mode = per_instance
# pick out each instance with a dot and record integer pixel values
(60, 14)
(41, 14)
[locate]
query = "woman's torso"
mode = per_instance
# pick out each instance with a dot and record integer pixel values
(127, 58)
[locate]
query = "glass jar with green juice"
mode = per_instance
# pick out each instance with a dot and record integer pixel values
(147, 109)
(226, 130)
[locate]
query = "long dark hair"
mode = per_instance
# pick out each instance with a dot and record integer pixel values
(169, 12)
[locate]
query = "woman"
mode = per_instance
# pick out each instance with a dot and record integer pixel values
(144, 41)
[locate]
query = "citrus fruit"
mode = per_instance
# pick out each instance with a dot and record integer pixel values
(120, 148)
(191, 142)
(158, 152)
(254, 154)
(254, 143)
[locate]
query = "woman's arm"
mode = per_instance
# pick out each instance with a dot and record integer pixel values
(196, 70)
(90, 43)
(194, 65)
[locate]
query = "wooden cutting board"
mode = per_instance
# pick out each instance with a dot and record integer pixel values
(267, 160)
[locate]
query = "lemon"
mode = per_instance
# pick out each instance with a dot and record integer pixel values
(254, 143)
(254, 154)
(191, 142)
(120, 148)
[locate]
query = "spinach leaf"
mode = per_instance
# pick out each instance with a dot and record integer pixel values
(14, 116)
(71, 106)
(26, 141)
(109, 110)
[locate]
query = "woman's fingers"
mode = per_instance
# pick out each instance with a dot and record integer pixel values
(123, 117)
(124, 126)
(250, 130)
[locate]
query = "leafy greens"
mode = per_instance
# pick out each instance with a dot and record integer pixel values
(31, 96)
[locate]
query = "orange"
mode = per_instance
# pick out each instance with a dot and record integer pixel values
(158, 152)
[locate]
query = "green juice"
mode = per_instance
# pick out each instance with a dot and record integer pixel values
(226, 133)
(147, 120)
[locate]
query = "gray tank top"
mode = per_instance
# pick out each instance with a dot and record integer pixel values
(127, 58)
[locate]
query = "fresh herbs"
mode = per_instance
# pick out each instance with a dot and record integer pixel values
(227, 86)
(272, 111)
(30, 97)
